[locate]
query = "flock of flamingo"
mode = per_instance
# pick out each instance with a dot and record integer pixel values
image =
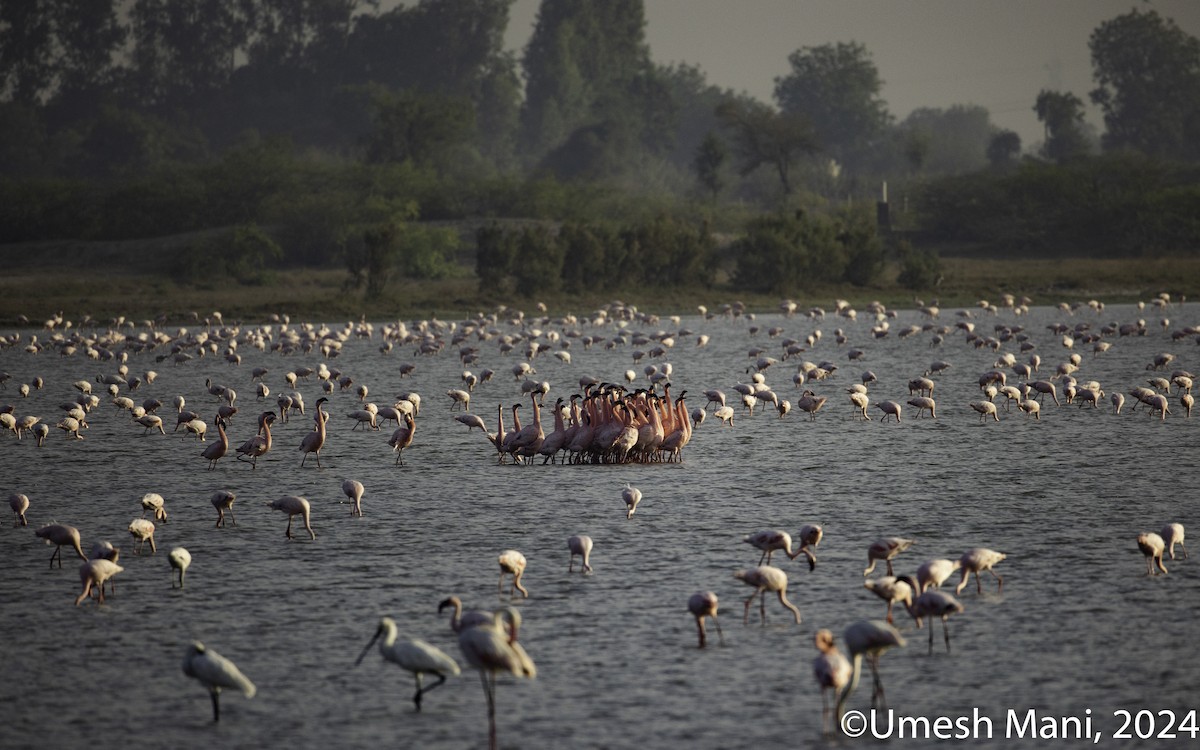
(607, 421)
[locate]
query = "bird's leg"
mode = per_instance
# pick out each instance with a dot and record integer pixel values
(889, 564)
(945, 633)
(762, 607)
(216, 701)
(889, 614)
(978, 583)
(746, 610)
(931, 637)
(720, 635)
(700, 629)
(58, 554)
(288, 533)
(812, 559)
(999, 581)
(231, 518)
(417, 696)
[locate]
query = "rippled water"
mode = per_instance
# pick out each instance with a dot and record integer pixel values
(1078, 626)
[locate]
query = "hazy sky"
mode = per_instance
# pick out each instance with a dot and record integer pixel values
(930, 53)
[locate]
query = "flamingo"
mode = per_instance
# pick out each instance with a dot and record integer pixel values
(933, 574)
(580, 545)
(152, 501)
(353, 489)
(403, 437)
(861, 401)
(260, 444)
(294, 506)
(492, 647)
(725, 414)
(809, 536)
(95, 573)
(1172, 534)
(143, 531)
(765, 578)
(19, 503)
(59, 535)
(222, 500)
(985, 409)
(460, 620)
(217, 450)
(885, 549)
(892, 590)
(769, 540)
(471, 421)
(889, 409)
(413, 655)
(871, 638)
(832, 671)
(704, 604)
(512, 563)
(976, 561)
(215, 672)
(315, 440)
(1152, 546)
(935, 603)
(180, 559)
(632, 496)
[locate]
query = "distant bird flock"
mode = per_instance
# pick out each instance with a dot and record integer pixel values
(599, 422)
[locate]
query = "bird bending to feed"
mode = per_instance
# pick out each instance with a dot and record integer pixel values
(933, 574)
(95, 573)
(810, 536)
(413, 655)
(143, 531)
(870, 638)
(512, 563)
(935, 603)
(704, 604)
(632, 496)
(180, 560)
(765, 578)
(353, 489)
(1152, 546)
(215, 672)
(222, 500)
(1172, 534)
(580, 545)
(153, 502)
(976, 561)
(832, 671)
(492, 647)
(59, 535)
(885, 549)
(892, 590)
(769, 540)
(294, 506)
(459, 619)
(19, 503)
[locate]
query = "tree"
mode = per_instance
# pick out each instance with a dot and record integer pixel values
(415, 126)
(955, 138)
(1004, 148)
(711, 155)
(1147, 72)
(836, 86)
(26, 50)
(1062, 117)
(763, 136)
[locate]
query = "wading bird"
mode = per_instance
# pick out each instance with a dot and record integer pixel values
(294, 506)
(704, 604)
(413, 655)
(215, 672)
(765, 578)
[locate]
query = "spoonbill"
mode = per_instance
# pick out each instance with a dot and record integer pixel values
(180, 559)
(294, 506)
(215, 672)
(413, 655)
(580, 545)
(704, 604)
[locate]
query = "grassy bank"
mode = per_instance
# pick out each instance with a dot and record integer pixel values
(134, 279)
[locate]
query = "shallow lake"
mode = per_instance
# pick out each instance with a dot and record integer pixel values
(1078, 627)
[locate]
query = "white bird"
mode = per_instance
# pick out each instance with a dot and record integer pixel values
(1172, 534)
(935, 603)
(976, 561)
(765, 578)
(215, 672)
(459, 619)
(769, 540)
(885, 549)
(153, 502)
(60, 535)
(872, 638)
(581, 545)
(632, 496)
(143, 531)
(95, 573)
(985, 409)
(832, 671)
(809, 536)
(704, 604)
(725, 414)
(180, 560)
(892, 590)
(512, 563)
(413, 655)
(1152, 546)
(933, 574)
(19, 503)
(889, 409)
(492, 647)
(353, 489)
(294, 506)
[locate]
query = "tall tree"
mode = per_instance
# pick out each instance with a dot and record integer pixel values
(1004, 148)
(956, 138)
(586, 63)
(709, 164)
(762, 136)
(1061, 115)
(1147, 73)
(26, 50)
(836, 86)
